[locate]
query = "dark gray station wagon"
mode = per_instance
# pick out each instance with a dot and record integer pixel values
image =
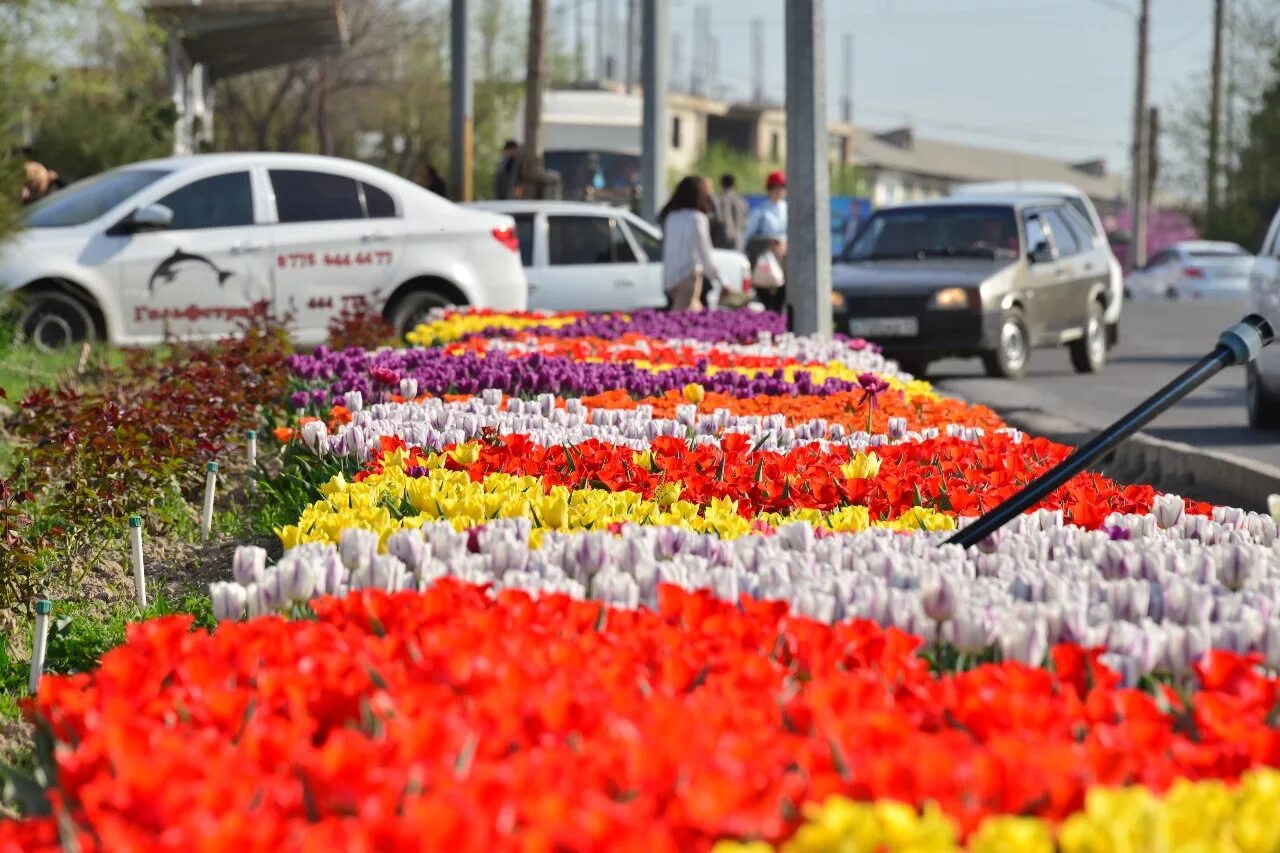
(993, 278)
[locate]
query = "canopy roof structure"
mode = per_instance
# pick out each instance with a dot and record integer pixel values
(230, 37)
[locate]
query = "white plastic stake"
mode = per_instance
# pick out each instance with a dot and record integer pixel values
(43, 608)
(139, 572)
(252, 436)
(206, 520)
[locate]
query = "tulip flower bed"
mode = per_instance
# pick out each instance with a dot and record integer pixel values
(679, 582)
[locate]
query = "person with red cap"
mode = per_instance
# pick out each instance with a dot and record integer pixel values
(767, 231)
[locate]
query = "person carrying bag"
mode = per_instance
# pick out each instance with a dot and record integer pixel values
(687, 262)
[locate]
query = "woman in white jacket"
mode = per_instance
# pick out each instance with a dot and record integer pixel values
(687, 263)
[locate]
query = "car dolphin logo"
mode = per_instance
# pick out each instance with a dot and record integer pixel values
(167, 271)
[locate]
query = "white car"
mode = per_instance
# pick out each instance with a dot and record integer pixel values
(592, 257)
(193, 247)
(1262, 377)
(1193, 269)
(1084, 206)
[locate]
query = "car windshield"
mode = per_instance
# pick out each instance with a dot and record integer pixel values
(955, 231)
(84, 201)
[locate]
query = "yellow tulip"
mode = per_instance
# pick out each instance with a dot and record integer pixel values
(863, 466)
(694, 393)
(465, 454)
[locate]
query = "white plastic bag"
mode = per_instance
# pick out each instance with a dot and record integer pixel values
(768, 272)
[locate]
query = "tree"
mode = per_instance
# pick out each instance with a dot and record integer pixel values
(85, 96)
(1255, 180)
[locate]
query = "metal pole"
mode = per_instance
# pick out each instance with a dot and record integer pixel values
(1137, 197)
(653, 80)
(1238, 345)
(460, 112)
(633, 12)
(1215, 115)
(808, 285)
(535, 82)
(580, 44)
(599, 40)
(1153, 151)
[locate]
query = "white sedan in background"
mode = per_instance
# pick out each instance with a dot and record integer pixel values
(591, 257)
(1262, 376)
(1193, 269)
(193, 247)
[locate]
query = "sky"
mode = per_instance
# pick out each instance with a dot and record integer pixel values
(1048, 76)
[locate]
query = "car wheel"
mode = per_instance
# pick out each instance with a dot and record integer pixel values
(1009, 359)
(1089, 353)
(1171, 294)
(412, 309)
(55, 321)
(1263, 407)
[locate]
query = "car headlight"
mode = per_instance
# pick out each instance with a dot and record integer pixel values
(837, 300)
(949, 299)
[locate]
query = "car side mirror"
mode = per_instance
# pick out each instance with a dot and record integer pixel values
(153, 217)
(1042, 252)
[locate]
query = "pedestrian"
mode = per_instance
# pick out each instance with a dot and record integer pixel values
(37, 182)
(431, 179)
(506, 181)
(687, 262)
(733, 211)
(766, 231)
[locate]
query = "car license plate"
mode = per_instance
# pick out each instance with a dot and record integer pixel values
(890, 327)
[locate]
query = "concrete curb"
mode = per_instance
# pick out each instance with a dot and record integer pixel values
(1170, 466)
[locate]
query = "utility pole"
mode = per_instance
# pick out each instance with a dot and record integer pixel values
(535, 82)
(1153, 153)
(461, 103)
(653, 79)
(846, 103)
(580, 44)
(632, 14)
(1215, 116)
(600, 39)
(1137, 198)
(677, 63)
(611, 42)
(757, 61)
(809, 165)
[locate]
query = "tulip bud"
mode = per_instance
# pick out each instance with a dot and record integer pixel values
(315, 436)
(357, 547)
(353, 400)
(410, 548)
(1168, 510)
(694, 393)
(271, 590)
(229, 601)
(938, 598)
(296, 577)
(330, 572)
(1273, 507)
(1024, 641)
(1237, 566)
(355, 443)
(409, 388)
(255, 605)
(248, 564)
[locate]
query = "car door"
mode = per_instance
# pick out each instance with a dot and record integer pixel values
(1069, 292)
(648, 244)
(338, 242)
(1092, 271)
(592, 265)
(527, 233)
(208, 272)
(1046, 273)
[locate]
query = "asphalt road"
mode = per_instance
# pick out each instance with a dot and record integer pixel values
(1157, 341)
